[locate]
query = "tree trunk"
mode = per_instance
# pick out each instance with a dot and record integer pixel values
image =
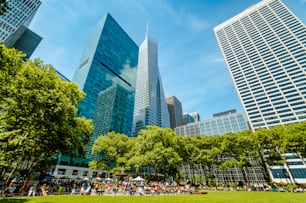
(12, 172)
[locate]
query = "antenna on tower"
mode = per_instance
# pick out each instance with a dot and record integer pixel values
(147, 31)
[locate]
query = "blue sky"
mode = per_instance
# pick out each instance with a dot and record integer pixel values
(190, 61)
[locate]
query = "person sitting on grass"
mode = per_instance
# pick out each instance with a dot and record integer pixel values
(82, 190)
(88, 190)
(44, 189)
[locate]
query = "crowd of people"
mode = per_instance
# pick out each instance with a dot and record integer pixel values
(96, 186)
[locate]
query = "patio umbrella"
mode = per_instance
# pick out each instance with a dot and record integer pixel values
(138, 178)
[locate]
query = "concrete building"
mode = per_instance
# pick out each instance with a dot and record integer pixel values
(14, 31)
(196, 116)
(175, 111)
(293, 171)
(75, 168)
(264, 49)
(187, 118)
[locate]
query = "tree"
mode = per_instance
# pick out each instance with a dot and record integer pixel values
(262, 142)
(113, 149)
(37, 112)
(155, 148)
(237, 149)
(294, 139)
(209, 154)
(4, 7)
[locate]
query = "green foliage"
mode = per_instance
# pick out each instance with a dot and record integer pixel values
(37, 112)
(164, 152)
(4, 7)
(155, 147)
(115, 148)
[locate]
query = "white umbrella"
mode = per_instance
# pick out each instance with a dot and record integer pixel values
(138, 178)
(98, 179)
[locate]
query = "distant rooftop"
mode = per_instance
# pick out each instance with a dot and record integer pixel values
(224, 113)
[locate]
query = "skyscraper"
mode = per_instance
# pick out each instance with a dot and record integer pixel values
(187, 118)
(175, 111)
(112, 113)
(14, 24)
(196, 116)
(109, 60)
(265, 50)
(150, 104)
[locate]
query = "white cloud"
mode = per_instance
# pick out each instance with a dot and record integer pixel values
(213, 59)
(183, 17)
(127, 73)
(197, 23)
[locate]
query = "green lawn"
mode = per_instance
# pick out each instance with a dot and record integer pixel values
(211, 197)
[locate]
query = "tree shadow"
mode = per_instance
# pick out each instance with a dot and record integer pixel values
(13, 200)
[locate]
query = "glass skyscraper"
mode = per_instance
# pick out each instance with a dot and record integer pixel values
(109, 60)
(112, 113)
(222, 123)
(14, 25)
(150, 103)
(265, 50)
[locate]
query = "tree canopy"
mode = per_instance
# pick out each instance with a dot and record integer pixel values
(163, 151)
(37, 112)
(4, 7)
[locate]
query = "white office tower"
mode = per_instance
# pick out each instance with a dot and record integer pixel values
(14, 25)
(150, 104)
(265, 50)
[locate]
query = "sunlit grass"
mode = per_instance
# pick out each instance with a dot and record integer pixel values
(211, 197)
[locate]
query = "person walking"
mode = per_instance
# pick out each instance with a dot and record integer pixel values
(73, 191)
(32, 190)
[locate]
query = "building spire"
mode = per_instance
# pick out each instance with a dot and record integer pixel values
(147, 31)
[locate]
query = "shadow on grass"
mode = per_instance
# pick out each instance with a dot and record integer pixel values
(16, 200)
(13, 200)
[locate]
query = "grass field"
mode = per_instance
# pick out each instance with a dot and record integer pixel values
(211, 197)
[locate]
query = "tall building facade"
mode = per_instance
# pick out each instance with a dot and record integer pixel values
(62, 76)
(292, 171)
(14, 25)
(187, 118)
(222, 123)
(265, 50)
(218, 125)
(175, 111)
(150, 103)
(109, 60)
(196, 116)
(112, 113)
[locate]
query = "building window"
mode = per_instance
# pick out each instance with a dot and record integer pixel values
(85, 173)
(61, 171)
